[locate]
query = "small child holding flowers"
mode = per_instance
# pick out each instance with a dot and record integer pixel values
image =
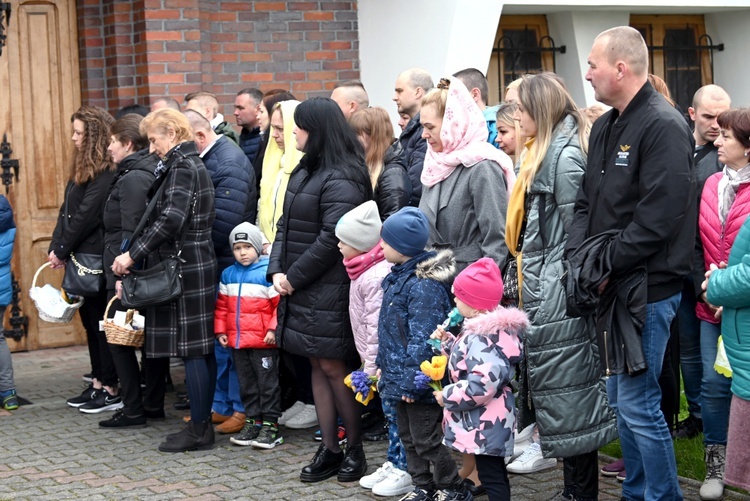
(479, 416)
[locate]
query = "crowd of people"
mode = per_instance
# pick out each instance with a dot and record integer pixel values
(561, 259)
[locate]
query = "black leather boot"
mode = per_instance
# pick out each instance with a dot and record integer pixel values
(324, 464)
(194, 437)
(354, 465)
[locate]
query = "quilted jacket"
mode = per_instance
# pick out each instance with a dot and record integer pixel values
(479, 416)
(246, 305)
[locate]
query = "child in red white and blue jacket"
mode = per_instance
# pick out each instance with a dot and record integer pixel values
(245, 321)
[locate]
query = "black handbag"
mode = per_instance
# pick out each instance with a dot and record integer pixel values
(84, 275)
(510, 280)
(161, 284)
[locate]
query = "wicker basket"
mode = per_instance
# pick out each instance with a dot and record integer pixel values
(44, 306)
(120, 335)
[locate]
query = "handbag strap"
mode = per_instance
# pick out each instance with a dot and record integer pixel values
(152, 205)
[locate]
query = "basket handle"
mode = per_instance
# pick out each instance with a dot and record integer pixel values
(106, 310)
(36, 275)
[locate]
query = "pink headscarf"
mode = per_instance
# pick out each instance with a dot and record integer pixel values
(464, 136)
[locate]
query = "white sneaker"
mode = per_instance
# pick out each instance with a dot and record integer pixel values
(531, 460)
(306, 418)
(369, 481)
(396, 483)
(291, 411)
(522, 441)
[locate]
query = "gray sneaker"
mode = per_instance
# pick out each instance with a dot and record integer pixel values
(269, 437)
(249, 433)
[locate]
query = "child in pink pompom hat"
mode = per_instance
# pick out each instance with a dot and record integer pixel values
(479, 415)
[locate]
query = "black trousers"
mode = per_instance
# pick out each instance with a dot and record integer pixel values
(420, 427)
(258, 373)
(581, 475)
(102, 365)
(294, 379)
(494, 477)
(128, 371)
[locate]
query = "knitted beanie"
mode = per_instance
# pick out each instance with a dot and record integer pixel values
(480, 285)
(360, 227)
(407, 231)
(249, 234)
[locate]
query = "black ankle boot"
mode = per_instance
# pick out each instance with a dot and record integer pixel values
(354, 465)
(324, 464)
(194, 437)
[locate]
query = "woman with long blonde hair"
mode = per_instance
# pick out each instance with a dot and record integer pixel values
(79, 231)
(558, 348)
(390, 182)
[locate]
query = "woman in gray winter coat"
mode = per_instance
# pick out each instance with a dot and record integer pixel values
(561, 375)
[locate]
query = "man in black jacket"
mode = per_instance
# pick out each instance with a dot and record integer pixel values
(411, 86)
(639, 180)
(708, 102)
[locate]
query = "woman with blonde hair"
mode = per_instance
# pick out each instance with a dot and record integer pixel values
(185, 327)
(79, 231)
(390, 182)
(560, 363)
(279, 160)
(508, 131)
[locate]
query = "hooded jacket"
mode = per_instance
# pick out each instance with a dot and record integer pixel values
(393, 189)
(277, 168)
(415, 148)
(479, 415)
(415, 300)
(7, 237)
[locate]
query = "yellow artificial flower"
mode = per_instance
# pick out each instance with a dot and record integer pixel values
(348, 381)
(436, 369)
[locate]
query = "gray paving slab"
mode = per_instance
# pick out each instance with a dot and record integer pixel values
(52, 452)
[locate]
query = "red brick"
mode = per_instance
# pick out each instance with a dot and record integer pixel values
(273, 47)
(306, 86)
(163, 35)
(151, 14)
(318, 16)
(337, 65)
(165, 79)
(257, 77)
(322, 75)
(255, 57)
(222, 16)
(235, 6)
(318, 55)
(337, 45)
(238, 47)
(287, 77)
(269, 6)
(166, 57)
(192, 36)
(303, 5)
(223, 37)
(224, 58)
(180, 4)
(183, 67)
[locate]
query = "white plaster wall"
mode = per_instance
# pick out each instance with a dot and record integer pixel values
(731, 70)
(441, 36)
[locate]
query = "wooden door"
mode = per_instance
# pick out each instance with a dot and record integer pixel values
(39, 91)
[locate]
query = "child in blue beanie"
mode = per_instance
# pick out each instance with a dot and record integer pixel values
(415, 300)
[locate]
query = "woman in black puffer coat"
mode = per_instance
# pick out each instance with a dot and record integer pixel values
(307, 270)
(383, 155)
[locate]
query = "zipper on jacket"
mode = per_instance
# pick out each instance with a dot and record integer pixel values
(607, 372)
(238, 313)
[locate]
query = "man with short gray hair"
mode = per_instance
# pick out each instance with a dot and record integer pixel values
(351, 97)
(639, 182)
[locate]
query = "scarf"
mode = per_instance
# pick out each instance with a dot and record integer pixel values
(464, 137)
(516, 215)
(357, 265)
(734, 180)
(161, 167)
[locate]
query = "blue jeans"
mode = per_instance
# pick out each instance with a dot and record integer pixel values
(716, 395)
(396, 453)
(644, 436)
(227, 395)
(691, 364)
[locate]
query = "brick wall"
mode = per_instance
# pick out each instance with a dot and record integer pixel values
(136, 51)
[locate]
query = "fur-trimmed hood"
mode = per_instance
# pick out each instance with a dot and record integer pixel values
(501, 319)
(440, 267)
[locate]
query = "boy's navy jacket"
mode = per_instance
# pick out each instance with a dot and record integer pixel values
(246, 305)
(7, 236)
(415, 302)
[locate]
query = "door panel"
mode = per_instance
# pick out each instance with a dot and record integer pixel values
(39, 66)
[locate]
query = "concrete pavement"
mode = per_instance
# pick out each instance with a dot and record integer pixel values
(52, 451)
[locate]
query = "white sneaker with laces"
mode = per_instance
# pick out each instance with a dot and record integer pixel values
(306, 418)
(396, 483)
(369, 481)
(531, 461)
(522, 441)
(291, 412)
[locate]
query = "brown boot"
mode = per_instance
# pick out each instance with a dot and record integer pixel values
(217, 418)
(232, 425)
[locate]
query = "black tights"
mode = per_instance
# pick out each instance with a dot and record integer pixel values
(200, 377)
(332, 399)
